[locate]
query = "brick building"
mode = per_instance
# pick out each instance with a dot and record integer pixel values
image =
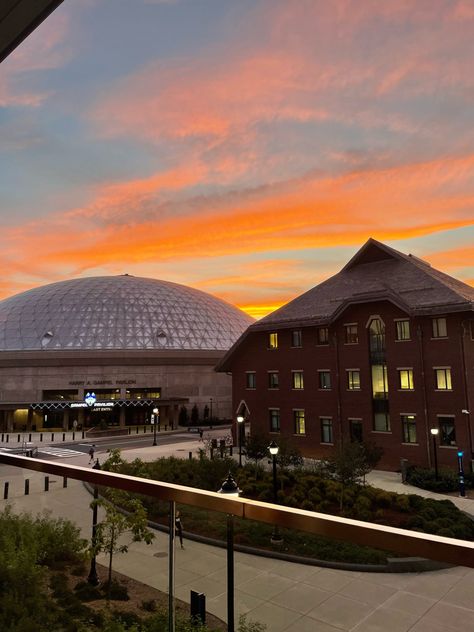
(383, 351)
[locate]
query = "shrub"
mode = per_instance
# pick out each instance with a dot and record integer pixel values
(116, 591)
(87, 592)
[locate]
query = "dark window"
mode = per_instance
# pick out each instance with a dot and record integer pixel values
(324, 380)
(107, 393)
(408, 428)
(298, 418)
(355, 428)
(322, 335)
(326, 430)
(250, 380)
(273, 381)
(60, 395)
(439, 327)
(353, 379)
(351, 334)
(141, 393)
(296, 338)
(376, 339)
(443, 379)
(403, 329)
(447, 431)
(297, 378)
(273, 340)
(274, 419)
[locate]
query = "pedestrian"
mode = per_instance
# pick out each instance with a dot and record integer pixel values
(179, 528)
(91, 453)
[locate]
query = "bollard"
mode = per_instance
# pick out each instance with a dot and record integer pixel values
(136, 429)
(198, 607)
(129, 431)
(29, 437)
(190, 456)
(52, 436)
(8, 437)
(46, 483)
(18, 438)
(27, 486)
(5, 491)
(41, 436)
(166, 427)
(73, 435)
(64, 481)
(2, 436)
(144, 429)
(64, 436)
(83, 434)
(230, 451)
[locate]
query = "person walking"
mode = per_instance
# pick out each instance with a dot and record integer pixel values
(91, 453)
(179, 528)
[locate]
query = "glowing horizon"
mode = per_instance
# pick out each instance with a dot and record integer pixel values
(246, 149)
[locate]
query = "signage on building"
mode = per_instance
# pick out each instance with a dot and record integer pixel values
(123, 382)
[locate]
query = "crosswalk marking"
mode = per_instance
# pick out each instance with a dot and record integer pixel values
(59, 452)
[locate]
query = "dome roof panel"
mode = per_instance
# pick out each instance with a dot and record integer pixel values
(120, 312)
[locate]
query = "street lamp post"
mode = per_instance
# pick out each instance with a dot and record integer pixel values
(92, 577)
(210, 412)
(434, 434)
(154, 418)
(230, 488)
(240, 423)
(462, 483)
(273, 449)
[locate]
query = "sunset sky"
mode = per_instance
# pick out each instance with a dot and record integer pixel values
(243, 147)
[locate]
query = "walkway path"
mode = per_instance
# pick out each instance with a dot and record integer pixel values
(287, 597)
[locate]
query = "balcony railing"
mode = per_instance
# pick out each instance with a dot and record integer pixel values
(410, 543)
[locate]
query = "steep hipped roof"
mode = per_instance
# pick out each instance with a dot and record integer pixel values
(376, 272)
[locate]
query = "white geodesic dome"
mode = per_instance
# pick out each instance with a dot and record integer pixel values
(118, 312)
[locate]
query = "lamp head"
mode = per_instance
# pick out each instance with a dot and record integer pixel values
(434, 431)
(229, 487)
(273, 448)
(240, 419)
(155, 411)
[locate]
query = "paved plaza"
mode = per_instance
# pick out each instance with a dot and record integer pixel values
(288, 597)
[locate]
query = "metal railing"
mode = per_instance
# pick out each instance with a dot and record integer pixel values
(411, 543)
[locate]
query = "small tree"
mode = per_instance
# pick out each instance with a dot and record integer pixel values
(256, 448)
(194, 415)
(123, 516)
(183, 416)
(288, 455)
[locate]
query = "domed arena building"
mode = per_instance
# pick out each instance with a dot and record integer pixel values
(133, 344)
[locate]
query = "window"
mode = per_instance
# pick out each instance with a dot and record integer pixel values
(403, 330)
(250, 379)
(273, 381)
(326, 430)
(379, 381)
(355, 429)
(296, 338)
(381, 421)
(405, 379)
(353, 379)
(274, 419)
(324, 379)
(439, 328)
(408, 428)
(322, 336)
(273, 340)
(447, 431)
(443, 379)
(297, 378)
(351, 335)
(298, 418)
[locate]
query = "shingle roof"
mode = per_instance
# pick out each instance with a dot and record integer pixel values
(375, 272)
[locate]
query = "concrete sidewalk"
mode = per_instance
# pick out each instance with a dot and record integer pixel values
(287, 597)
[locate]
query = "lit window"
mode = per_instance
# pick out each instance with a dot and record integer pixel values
(379, 381)
(408, 428)
(326, 430)
(298, 418)
(273, 340)
(439, 327)
(323, 336)
(443, 379)
(353, 379)
(403, 329)
(351, 334)
(274, 419)
(447, 431)
(251, 379)
(296, 338)
(324, 380)
(405, 379)
(297, 377)
(273, 380)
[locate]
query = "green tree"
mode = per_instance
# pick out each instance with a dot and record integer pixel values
(255, 449)
(288, 455)
(123, 517)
